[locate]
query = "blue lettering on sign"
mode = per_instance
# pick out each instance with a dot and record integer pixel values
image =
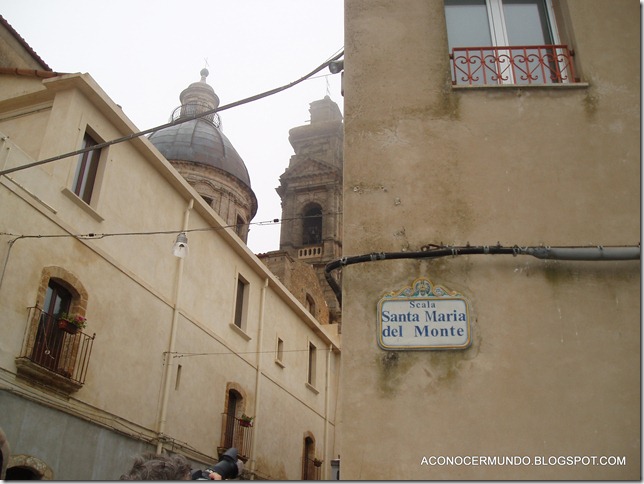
(422, 304)
(434, 317)
(391, 332)
(427, 331)
(409, 317)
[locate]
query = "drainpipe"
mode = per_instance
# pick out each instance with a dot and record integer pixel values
(326, 410)
(163, 409)
(258, 374)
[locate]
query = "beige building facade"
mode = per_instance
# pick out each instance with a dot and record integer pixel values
(178, 344)
(456, 140)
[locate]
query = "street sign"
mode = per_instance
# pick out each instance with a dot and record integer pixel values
(423, 317)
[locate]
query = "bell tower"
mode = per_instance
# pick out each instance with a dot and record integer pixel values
(311, 194)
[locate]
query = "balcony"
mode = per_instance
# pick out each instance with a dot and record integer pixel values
(235, 433)
(53, 356)
(309, 252)
(514, 65)
(193, 109)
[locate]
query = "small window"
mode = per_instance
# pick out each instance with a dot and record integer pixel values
(505, 42)
(241, 302)
(312, 364)
(310, 304)
(86, 170)
(279, 352)
(240, 227)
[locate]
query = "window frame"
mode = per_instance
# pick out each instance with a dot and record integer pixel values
(279, 352)
(240, 307)
(311, 367)
(499, 38)
(87, 171)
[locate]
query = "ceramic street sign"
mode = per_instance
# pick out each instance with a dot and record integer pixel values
(423, 317)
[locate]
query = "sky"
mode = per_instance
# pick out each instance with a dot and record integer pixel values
(144, 53)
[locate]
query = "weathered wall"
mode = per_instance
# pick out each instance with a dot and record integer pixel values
(553, 368)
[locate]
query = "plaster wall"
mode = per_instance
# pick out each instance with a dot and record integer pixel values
(553, 367)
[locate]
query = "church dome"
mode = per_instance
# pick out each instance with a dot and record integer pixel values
(201, 153)
(200, 140)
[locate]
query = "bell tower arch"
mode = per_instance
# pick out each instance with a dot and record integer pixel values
(311, 194)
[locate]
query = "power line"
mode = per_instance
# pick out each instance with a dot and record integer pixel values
(181, 354)
(97, 236)
(129, 137)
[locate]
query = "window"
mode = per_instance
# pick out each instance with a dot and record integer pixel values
(312, 226)
(240, 228)
(233, 404)
(50, 341)
(312, 364)
(505, 42)
(52, 354)
(310, 464)
(235, 432)
(279, 352)
(310, 304)
(86, 170)
(241, 302)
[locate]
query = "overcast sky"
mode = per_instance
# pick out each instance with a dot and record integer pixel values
(144, 53)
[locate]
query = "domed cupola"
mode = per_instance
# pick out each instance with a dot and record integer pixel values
(202, 154)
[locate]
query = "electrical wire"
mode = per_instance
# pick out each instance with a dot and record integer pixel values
(181, 354)
(97, 236)
(131, 136)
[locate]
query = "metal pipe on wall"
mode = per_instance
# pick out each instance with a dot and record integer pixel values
(431, 251)
(163, 408)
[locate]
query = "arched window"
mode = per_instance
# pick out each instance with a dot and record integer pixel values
(54, 354)
(312, 225)
(235, 431)
(310, 465)
(233, 408)
(49, 339)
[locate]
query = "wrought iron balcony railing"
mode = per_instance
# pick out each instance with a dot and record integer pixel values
(522, 65)
(236, 433)
(53, 355)
(193, 109)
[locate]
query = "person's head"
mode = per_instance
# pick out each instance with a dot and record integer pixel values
(158, 467)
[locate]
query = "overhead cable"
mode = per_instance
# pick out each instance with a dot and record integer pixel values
(181, 120)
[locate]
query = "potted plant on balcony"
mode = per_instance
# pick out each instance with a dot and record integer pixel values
(317, 462)
(71, 323)
(245, 420)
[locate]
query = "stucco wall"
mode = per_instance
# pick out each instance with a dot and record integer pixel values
(553, 367)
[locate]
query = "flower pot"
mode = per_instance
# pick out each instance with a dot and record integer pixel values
(67, 326)
(245, 423)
